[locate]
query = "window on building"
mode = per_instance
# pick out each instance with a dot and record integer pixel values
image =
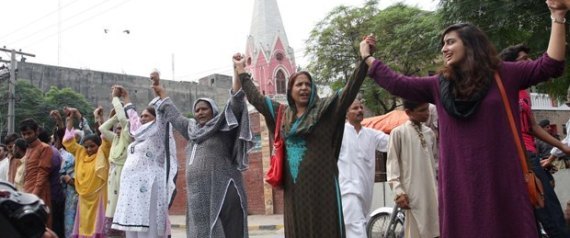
(280, 82)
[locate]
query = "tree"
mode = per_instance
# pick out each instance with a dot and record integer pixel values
(56, 99)
(509, 22)
(407, 42)
(31, 103)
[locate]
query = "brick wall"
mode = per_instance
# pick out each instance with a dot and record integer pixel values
(253, 179)
(179, 205)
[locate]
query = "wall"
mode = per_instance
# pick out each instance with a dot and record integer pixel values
(96, 85)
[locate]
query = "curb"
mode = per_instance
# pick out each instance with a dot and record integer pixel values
(265, 227)
(251, 227)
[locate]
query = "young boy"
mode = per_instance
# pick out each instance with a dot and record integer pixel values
(411, 172)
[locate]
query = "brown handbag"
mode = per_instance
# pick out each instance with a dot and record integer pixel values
(533, 183)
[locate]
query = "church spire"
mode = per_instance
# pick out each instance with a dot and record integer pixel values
(269, 57)
(266, 23)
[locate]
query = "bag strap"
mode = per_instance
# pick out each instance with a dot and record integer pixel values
(278, 122)
(522, 154)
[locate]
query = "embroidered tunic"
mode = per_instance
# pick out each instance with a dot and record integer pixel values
(118, 153)
(147, 164)
(311, 189)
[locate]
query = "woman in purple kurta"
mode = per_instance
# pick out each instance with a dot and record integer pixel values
(482, 192)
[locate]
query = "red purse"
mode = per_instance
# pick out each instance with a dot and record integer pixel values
(274, 175)
(533, 183)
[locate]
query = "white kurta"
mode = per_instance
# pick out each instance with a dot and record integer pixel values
(4, 166)
(356, 165)
(411, 170)
(146, 181)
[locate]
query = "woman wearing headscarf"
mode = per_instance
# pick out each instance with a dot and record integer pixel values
(312, 129)
(67, 174)
(115, 129)
(216, 156)
(91, 171)
(148, 177)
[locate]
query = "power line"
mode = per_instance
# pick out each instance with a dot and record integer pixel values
(79, 23)
(37, 20)
(66, 19)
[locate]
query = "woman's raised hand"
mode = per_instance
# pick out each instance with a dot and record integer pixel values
(239, 62)
(367, 45)
(558, 5)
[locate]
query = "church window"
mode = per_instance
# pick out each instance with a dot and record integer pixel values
(280, 82)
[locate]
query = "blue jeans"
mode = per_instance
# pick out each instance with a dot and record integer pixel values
(551, 215)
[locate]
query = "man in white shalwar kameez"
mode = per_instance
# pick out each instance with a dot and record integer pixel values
(356, 165)
(411, 172)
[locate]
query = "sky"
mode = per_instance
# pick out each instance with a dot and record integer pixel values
(198, 38)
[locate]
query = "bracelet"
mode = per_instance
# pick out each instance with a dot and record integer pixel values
(365, 58)
(558, 20)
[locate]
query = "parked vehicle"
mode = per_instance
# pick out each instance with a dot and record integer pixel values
(386, 222)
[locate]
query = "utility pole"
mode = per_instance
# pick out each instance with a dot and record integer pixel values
(12, 87)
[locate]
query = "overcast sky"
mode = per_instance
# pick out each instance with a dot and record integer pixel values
(202, 35)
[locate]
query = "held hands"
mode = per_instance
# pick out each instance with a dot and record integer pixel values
(239, 62)
(98, 112)
(558, 8)
(403, 201)
(55, 115)
(72, 112)
(158, 90)
(367, 45)
(117, 91)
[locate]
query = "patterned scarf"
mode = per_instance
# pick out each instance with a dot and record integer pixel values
(303, 125)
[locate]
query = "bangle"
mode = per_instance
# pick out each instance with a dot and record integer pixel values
(365, 58)
(558, 20)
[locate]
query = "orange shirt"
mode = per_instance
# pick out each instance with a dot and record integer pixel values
(37, 168)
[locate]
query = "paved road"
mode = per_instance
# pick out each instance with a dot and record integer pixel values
(181, 233)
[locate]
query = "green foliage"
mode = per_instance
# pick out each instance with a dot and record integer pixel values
(407, 41)
(31, 102)
(56, 98)
(509, 22)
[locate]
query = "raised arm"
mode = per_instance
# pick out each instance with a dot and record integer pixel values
(168, 112)
(69, 141)
(106, 128)
(413, 88)
(56, 116)
(260, 102)
(118, 93)
(351, 88)
(557, 43)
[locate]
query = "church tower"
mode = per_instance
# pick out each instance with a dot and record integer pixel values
(269, 58)
(271, 62)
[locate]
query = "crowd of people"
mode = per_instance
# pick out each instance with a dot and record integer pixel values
(462, 179)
